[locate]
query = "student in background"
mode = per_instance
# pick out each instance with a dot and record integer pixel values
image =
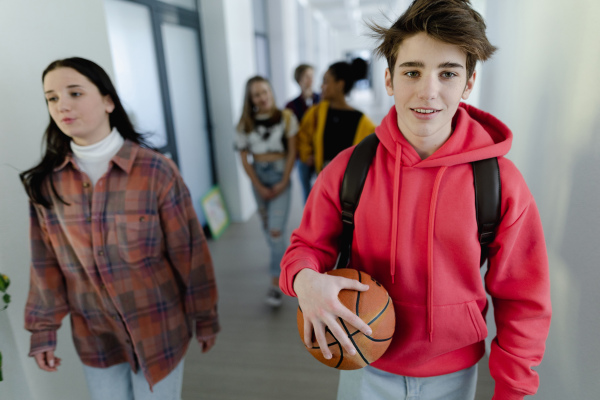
(115, 243)
(303, 75)
(333, 125)
(267, 135)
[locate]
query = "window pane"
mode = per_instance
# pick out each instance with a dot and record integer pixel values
(186, 89)
(262, 56)
(260, 16)
(189, 4)
(136, 70)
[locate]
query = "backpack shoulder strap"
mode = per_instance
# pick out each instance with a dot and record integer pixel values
(352, 186)
(486, 178)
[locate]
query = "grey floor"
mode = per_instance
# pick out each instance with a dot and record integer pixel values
(259, 354)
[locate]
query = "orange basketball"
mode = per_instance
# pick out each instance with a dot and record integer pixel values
(375, 307)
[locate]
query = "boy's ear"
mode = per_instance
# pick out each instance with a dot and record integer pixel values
(389, 87)
(469, 86)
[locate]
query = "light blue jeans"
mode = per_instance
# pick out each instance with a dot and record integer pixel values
(371, 383)
(120, 383)
(274, 212)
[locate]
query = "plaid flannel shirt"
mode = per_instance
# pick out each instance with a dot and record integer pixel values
(127, 259)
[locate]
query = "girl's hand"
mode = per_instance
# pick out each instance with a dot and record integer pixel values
(47, 361)
(207, 344)
(279, 187)
(265, 192)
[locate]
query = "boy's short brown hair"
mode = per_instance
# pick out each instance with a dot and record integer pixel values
(449, 21)
(300, 70)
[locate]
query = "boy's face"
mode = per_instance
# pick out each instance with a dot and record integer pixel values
(430, 79)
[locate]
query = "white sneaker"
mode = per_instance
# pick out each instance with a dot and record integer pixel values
(273, 297)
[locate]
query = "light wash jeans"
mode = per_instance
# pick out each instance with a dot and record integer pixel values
(120, 383)
(371, 383)
(274, 212)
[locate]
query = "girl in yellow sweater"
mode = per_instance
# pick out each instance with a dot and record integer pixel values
(332, 125)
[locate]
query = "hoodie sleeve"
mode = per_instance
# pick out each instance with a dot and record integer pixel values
(518, 282)
(315, 243)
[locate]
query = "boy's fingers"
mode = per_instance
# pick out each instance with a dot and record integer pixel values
(355, 321)
(342, 337)
(308, 332)
(322, 340)
(353, 284)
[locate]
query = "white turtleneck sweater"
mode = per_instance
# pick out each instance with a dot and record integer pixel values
(94, 159)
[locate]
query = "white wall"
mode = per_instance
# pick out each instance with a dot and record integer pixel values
(228, 41)
(543, 83)
(32, 34)
(283, 41)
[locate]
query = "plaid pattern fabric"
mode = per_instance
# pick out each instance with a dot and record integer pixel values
(129, 262)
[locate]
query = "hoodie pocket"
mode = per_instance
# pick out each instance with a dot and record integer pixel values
(455, 326)
(478, 321)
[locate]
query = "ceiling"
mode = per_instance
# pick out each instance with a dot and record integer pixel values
(350, 15)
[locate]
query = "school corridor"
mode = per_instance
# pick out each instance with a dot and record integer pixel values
(180, 68)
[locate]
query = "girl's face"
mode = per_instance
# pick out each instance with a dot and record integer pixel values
(331, 88)
(261, 96)
(77, 107)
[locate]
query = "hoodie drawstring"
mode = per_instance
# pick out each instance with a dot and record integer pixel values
(432, 207)
(396, 193)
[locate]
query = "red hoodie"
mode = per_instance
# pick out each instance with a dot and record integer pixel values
(416, 233)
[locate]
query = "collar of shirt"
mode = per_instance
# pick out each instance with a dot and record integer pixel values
(123, 159)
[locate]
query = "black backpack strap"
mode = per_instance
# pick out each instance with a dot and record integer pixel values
(352, 186)
(486, 178)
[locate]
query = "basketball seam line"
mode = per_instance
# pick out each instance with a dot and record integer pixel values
(341, 355)
(352, 340)
(358, 293)
(375, 319)
(328, 344)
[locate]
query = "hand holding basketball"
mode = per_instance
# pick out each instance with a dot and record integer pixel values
(373, 308)
(318, 298)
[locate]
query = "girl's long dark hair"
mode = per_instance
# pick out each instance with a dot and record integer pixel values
(349, 72)
(57, 144)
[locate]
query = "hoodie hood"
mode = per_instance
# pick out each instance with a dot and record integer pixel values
(477, 135)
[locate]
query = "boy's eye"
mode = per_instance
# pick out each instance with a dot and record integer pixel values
(412, 74)
(448, 75)
(75, 94)
(51, 99)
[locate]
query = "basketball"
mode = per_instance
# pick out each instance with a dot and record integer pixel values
(375, 307)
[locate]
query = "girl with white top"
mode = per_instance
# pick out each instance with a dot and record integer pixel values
(269, 136)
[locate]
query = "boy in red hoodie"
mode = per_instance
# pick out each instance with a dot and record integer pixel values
(416, 229)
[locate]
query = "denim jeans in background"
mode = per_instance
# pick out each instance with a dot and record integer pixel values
(119, 382)
(273, 212)
(374, 384)
(305, 174)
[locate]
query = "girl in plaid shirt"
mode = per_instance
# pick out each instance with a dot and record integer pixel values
(115, 243)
